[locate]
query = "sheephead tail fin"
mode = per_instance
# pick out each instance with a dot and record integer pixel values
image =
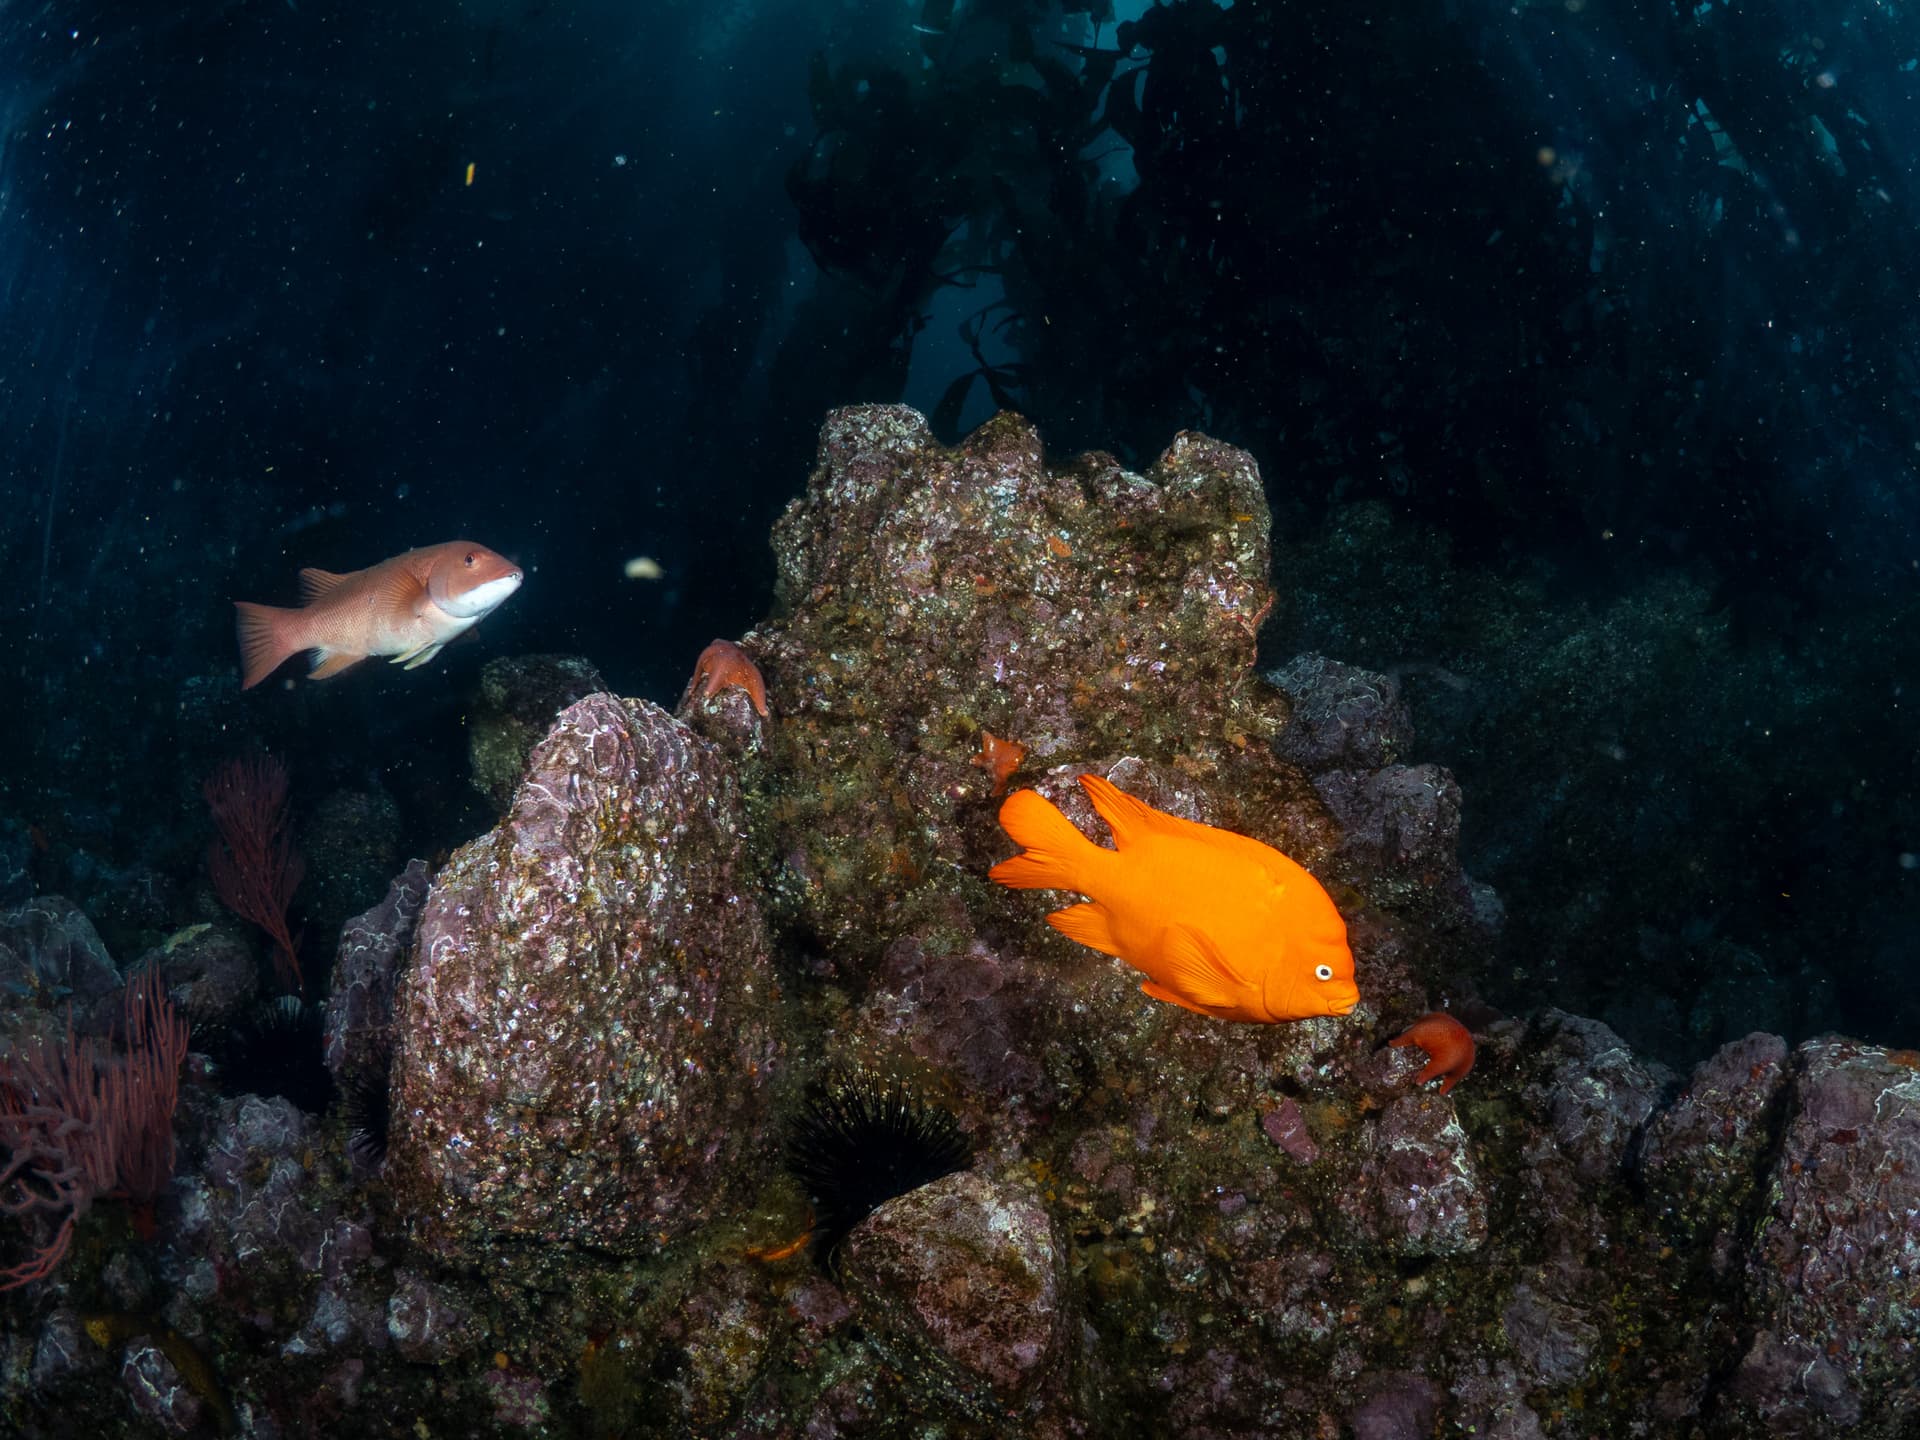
(268, 635)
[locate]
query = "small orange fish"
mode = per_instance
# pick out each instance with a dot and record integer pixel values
(1448, 1045)
(1217, 922)
(406, 607)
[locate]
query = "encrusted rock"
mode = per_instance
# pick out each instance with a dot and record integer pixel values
(1594, 1092)
(1834, 1276)
(158, 1392)
(720, 1336)
(1794, 1387)
(1344, 718)
(967, 1272)
(210, 970)
(359, 1018)
(1703, 1153)
(1286, 1127)
(255, 1216)
(1397, 1407)
(428, 1323)
(584, 1039)
(62, 1349)
(520, 698)
(1404, 818)
(927, 595)
(1419, 1190)
(51, 958)
(1006, 561)
(1553, 1339)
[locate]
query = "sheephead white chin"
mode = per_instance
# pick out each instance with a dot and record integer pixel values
(482, 600)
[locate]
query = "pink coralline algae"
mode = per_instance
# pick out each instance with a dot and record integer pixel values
(1287, 1128)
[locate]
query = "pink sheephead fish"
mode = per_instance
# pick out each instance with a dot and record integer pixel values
(406, 607)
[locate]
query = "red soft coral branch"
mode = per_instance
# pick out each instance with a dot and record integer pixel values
(77, 1125)
(149, 1089)
(254, 866)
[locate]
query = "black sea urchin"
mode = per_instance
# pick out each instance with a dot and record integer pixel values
(365, 1104)
(864, 1137)
(276, 1049)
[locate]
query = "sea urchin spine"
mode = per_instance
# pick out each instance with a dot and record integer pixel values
(864, 1137)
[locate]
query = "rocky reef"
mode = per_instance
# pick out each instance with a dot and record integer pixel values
(599, 1021)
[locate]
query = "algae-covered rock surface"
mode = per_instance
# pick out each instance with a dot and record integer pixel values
(584, 1042)
(725, 1096)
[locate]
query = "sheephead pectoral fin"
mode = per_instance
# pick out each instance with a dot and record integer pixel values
(328, 663)
(422, 656)
(400, 593)
(1193, 968)
(1087, 924)
(410, 658)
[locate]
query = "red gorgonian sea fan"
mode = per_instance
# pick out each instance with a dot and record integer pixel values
(77, 1124)
(254, 866)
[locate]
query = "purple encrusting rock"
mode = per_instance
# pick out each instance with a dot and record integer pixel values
(1703, 1155)
(584, 1039)
(51, 958)
(1422, 1191)
(255, 1219)
(965, 1276)
(1397, 1407)
(1834, 1277)
(1594, 1093)
(158, 1392)
(359, 1014)
(1287, 1128)
(1344, 718)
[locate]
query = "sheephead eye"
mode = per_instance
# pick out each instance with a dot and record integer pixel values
(472, 559)
(1323, 972)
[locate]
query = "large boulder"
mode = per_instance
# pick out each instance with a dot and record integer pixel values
(929, 597)
(1834, 1277)
(585, 1037)
(964, 1279)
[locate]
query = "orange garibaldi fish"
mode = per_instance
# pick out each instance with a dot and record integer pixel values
(1216, 921)
(406, 607)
